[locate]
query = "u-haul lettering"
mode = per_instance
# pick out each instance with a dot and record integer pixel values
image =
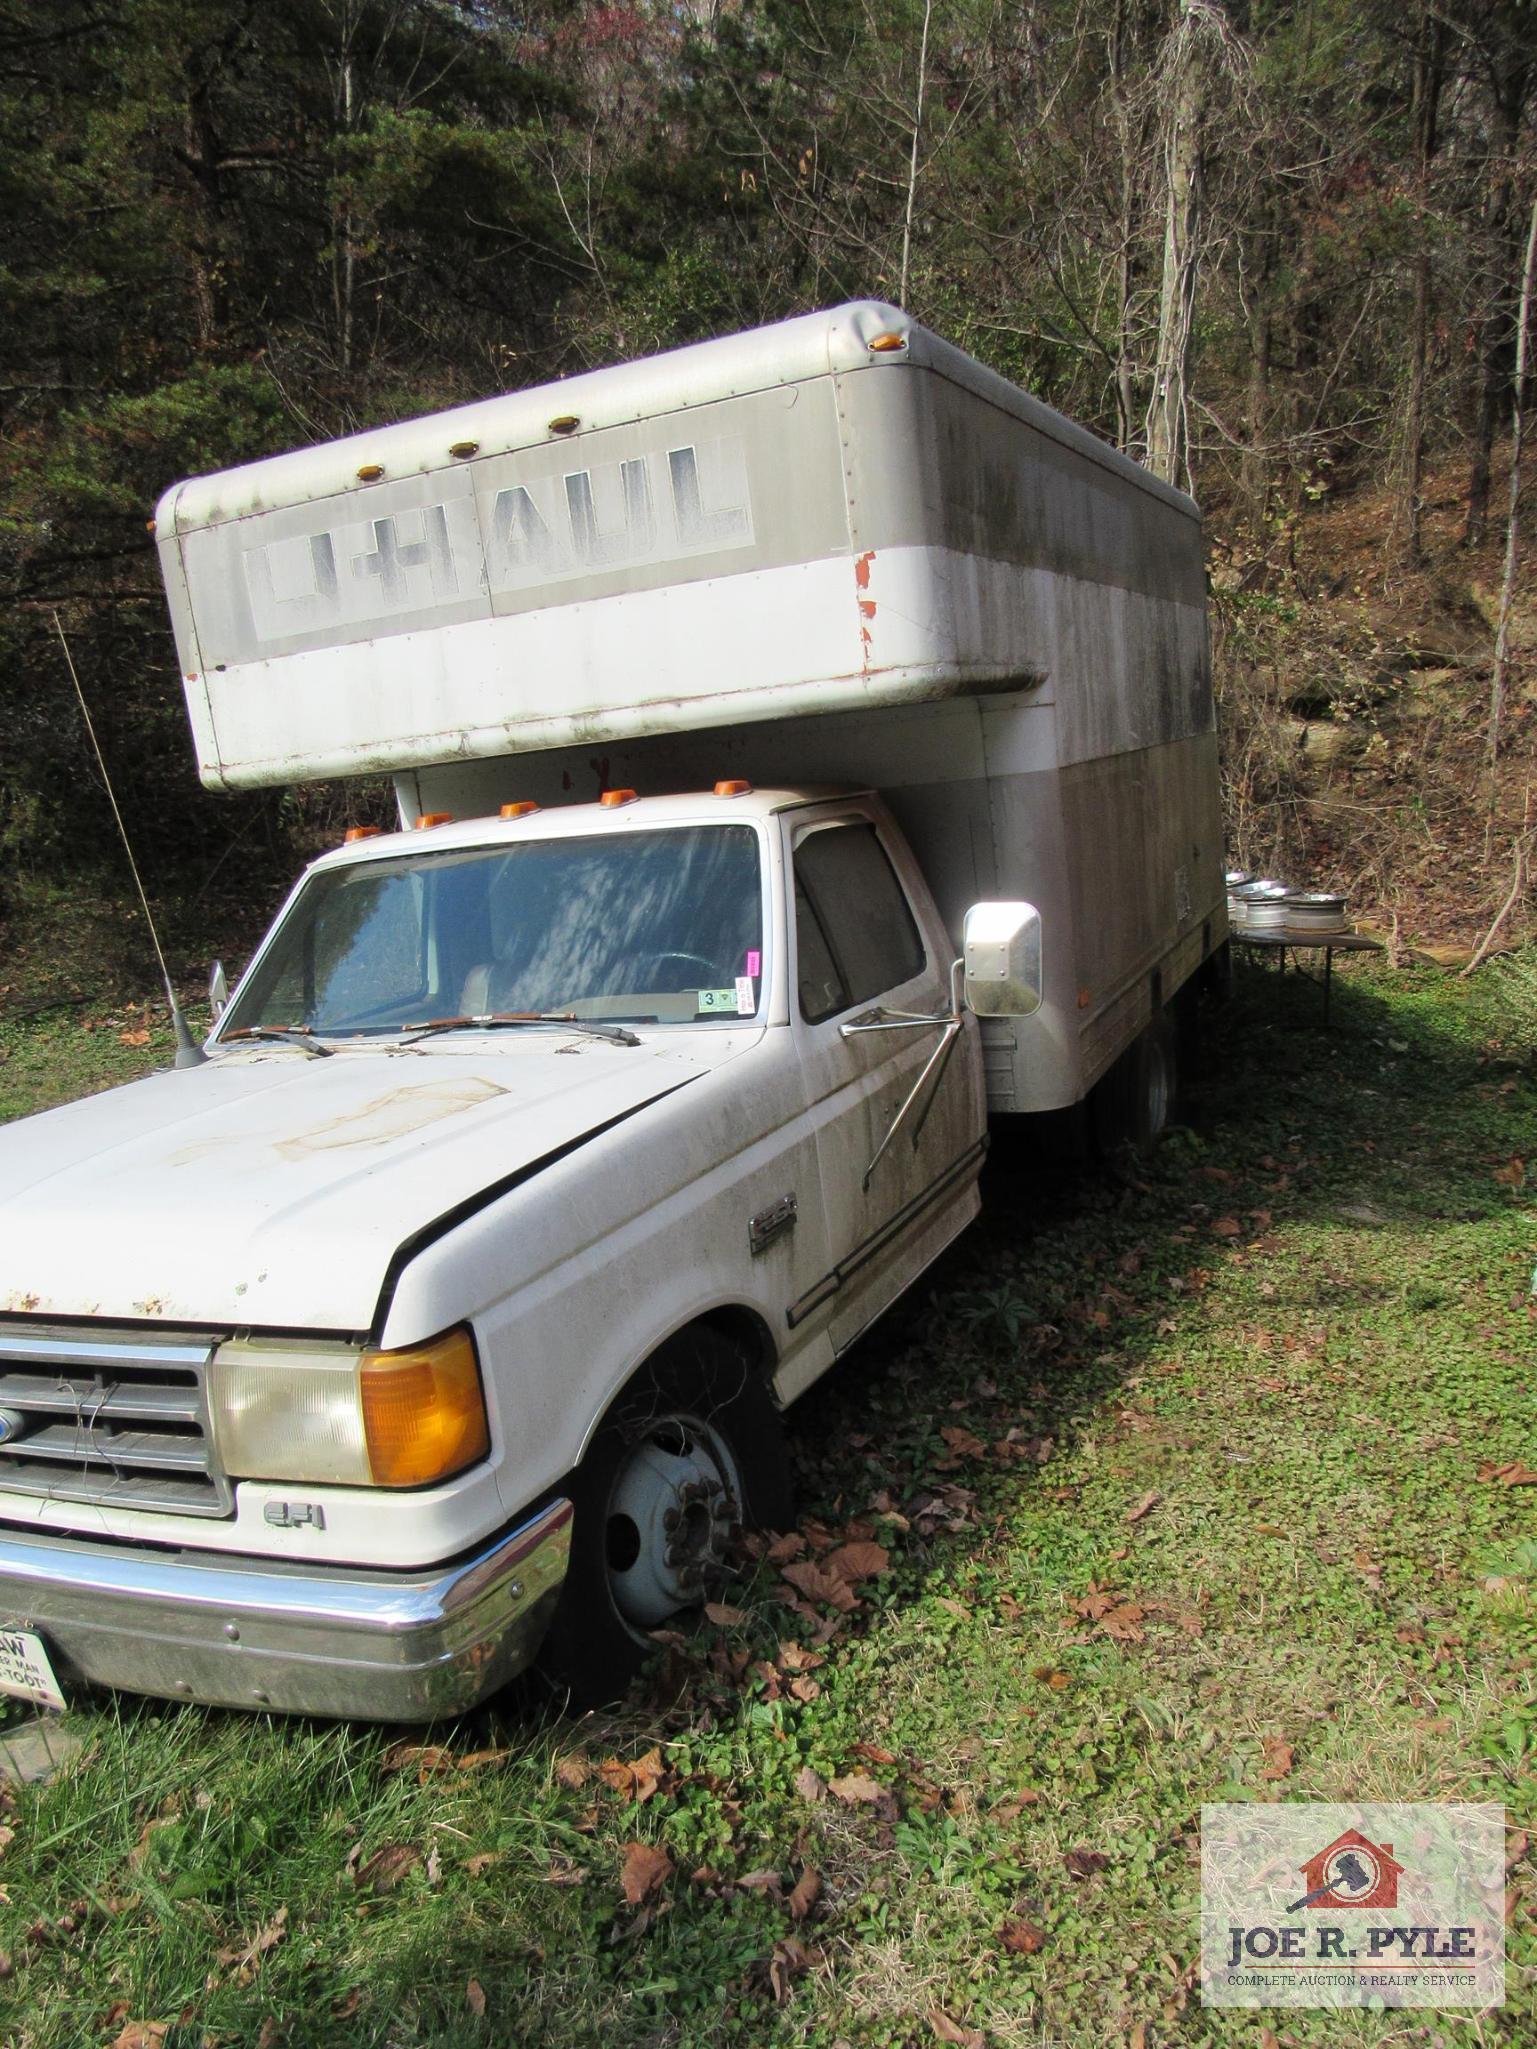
(402, 563)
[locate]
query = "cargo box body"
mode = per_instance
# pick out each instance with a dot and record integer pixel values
(788, 556)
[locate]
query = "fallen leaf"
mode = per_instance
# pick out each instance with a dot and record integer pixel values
(647, 1868)
(270, 2034)
(574, 1770)
(724, 1616)
(1515, 1475)
(806, 1690)
(475, 1996)
(947, 2030)
(1279, 1758)
(1124, 1622)
(805, 1894)
(857, 1561)
(783, 1549)
(810, 1786)
(873, 1753)
(1226, 1227)
(141, 2035)
(789, 1960)
(344, 2009)
(1018, 1938)
(139, 1037)
(474, 1759)
(855, 1788)
(962, 1442)
(247, 1956)
(424, 1758)
(636, 1781)
(818, 1584)
(386, 1868)
(1083, 1863)
(1145, 1506)
(1511, 1175)
(1052, 1676)
(482, 1861)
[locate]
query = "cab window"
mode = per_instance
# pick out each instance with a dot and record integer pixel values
(855, 934)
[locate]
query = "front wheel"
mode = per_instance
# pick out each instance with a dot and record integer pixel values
(691, 1453)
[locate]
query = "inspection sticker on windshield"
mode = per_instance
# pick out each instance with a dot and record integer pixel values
(25, 1671)
(718, 1000)
(1369, 1905)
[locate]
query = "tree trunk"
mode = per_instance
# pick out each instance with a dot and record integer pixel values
(1512, 530)
(1167, 439)
(1502, 244)
(1429, 66)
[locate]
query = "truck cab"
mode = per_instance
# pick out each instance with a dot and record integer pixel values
(577, 1139)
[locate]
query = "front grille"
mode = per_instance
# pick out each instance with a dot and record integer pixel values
(109, 1417)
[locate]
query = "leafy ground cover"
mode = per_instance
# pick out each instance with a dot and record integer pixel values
(1208, 1480)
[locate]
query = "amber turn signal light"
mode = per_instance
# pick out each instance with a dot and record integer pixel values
(612, 799)
(431, 818)
(424, 1414)
(733, 789)
(883, 344)
(521, 809)
(361, 832)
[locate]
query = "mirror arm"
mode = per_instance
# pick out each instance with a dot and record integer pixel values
(933, 1069)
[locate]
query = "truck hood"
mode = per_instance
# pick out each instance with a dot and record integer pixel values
(270, 1190)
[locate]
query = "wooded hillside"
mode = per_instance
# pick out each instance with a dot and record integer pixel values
(1274, 250)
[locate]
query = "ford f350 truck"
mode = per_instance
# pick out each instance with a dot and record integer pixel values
(803, 746)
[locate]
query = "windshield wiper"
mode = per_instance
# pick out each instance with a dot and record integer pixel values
(498, 1019)
(291, 1034)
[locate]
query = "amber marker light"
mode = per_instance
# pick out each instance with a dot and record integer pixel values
(370, 472)
(424, 1414)
(883, 344)
(564, 423)
(733, 789)
(521, 809)
(463, 450)
(612, 799)
(430, 818)
(360, 832)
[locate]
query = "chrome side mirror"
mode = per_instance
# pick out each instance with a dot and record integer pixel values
(218, 991)
(1003, 959)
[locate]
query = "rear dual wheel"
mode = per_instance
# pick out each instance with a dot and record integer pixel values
(1133, 1105)
(689, 1456)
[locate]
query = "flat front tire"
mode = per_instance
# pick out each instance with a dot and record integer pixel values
(690, 1454)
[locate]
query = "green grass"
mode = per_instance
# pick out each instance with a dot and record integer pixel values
(1305, 1326)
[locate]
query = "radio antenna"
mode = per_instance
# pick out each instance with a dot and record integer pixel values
(188, 1052)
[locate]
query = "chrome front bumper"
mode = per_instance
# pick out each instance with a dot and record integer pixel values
(253, 1633)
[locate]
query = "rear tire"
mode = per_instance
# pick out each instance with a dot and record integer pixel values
(1133, 1105)
(690, 1454)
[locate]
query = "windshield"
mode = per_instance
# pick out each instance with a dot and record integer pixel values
(662, 927)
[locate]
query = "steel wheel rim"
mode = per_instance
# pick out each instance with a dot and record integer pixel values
(672, 1513)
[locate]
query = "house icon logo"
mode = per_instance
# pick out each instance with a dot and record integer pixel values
(1352, 1872)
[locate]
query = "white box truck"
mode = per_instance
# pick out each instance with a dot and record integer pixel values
(740, 704)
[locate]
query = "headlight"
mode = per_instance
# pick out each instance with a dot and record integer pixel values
(286, 1410)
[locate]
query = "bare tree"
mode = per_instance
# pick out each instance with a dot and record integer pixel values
(1201, 64)
(1512, 528)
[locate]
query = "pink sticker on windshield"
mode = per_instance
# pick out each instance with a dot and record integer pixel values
(755, 962)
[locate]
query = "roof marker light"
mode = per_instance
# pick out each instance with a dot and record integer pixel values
(430, 818)
(370, 472)
(463, 450)
(564, 423)
(521, 809)
(883, 344)
(733, 789)
(612, 799)
(360, 832)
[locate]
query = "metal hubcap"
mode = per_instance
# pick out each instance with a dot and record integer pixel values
(675, 1503)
